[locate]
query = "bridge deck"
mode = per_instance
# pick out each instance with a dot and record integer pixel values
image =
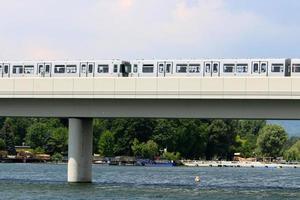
(152, 88)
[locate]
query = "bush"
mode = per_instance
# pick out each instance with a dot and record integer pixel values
(293, 153)
(172, 156)
(57, 157)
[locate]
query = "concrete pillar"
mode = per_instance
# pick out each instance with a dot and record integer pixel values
(80, 150)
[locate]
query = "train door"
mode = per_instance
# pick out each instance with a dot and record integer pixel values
(263, 68)
(215, 69)
(1, 69)
(6, 70)
(207, 69)
(164, 69)
(259, 68)
(83, 69)
(90, 69)
(44, 69)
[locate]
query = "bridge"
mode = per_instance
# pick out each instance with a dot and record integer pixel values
(82, 99)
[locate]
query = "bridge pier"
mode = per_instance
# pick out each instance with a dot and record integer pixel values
(80, 150)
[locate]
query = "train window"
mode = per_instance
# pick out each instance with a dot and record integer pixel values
(168, 68)
(17, 69)
(215, 68)
(263, 67)
(161, 68)
(0, 66)
(207, 68)
(255, 68)
(91, 67)
(103, 69)
(242, 68)
(148, 68)
(83, 68)
(59, 69)
(115, 68)
(181, 68)
(135, 68)
(194, 68)
(71, 69)
(28, 69)
(127, 68)
(228, 68)
(296, 68)
(6, 67)
(278, 67)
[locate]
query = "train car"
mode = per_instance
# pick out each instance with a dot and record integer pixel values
(295, 67)
(153, 68)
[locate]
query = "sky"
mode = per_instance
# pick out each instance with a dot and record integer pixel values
(128, 29)
(134, 29)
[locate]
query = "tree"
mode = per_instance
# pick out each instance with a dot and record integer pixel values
(221, 139)
(191, 138)
(58, 141)
(99, 126)
(57, 157)
(271, 140)
(38, 135)
(137, 148)
(293, 153)
(145, 150)
(20, 125)
(7, 134)
(106, 143)
(171, 156)
(2, 145)
(150, 149)
(126, 130)
(164, 134)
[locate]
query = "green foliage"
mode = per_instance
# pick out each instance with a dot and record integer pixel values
(192, 138)
(2, 145)
(47, 134)
(126, 130)
(150, 149)
(7, 134)
(106, 143)
(290, 142)
(271, 140)
(57, 157)
(99, 126)
(58, 141)
(293, 153)
(38, 135)
(171, 156)
(38, 150)
(137, 148)
(221, 139)
(144, 150)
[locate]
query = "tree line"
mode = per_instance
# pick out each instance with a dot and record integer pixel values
(148, 138)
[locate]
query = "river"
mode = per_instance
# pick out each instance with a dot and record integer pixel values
(48, 181)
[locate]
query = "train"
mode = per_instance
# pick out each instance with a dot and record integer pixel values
(284, 67)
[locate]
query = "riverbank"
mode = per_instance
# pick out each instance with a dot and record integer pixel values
(197, 163)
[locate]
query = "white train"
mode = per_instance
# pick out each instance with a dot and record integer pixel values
(152, 68)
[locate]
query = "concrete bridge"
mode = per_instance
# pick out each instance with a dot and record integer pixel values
(82, 99)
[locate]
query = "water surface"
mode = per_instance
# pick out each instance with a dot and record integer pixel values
(47, 181)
